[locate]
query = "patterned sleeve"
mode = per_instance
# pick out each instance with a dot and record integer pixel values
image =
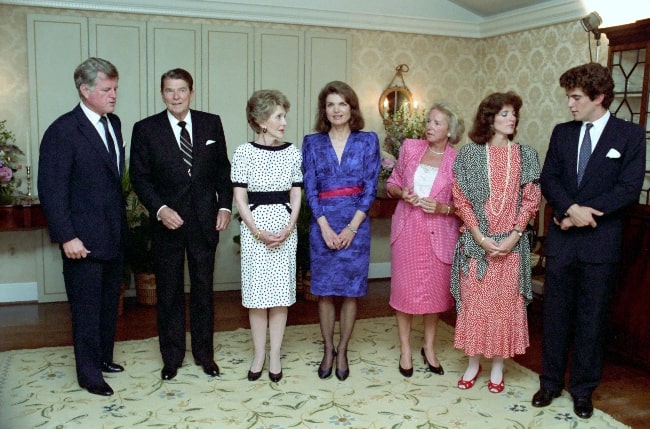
(238, 174)
(309, 175)
(464, 208)
(296, 166)
(372, 165)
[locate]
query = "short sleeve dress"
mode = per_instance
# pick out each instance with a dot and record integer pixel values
(268, 275)
(340, 272)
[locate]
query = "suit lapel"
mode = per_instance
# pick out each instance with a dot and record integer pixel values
(599, 154)
(169, 143)
(90, 132)
(443, 172)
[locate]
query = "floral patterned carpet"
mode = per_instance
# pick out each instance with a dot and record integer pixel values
(38, 389)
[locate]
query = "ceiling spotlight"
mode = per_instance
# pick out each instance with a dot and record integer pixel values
(591, 22)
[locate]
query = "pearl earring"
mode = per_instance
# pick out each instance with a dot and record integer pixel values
(448, 134)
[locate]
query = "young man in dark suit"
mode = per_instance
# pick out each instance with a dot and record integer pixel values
(180, 171)
(594, 168)
(79, 186)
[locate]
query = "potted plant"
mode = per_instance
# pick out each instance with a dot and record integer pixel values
(138, 257)
(10, 154)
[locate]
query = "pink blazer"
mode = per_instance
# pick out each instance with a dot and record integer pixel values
(444, 230)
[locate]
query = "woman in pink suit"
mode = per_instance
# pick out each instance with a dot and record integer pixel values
(424, 232)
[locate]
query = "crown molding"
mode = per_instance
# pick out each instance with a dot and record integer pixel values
(533, 17)
(527, 18)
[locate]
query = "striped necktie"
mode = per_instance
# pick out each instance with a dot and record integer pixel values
(186, 146)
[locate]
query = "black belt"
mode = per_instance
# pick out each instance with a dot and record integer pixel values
(256, 199)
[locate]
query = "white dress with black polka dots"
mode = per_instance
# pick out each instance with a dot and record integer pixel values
(268, 275)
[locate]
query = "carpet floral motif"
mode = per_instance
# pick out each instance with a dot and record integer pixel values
(38, 389)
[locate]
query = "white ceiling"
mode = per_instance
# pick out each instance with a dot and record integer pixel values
(460, 18)
(495, 7)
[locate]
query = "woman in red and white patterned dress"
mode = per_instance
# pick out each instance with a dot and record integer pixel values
(496, 194)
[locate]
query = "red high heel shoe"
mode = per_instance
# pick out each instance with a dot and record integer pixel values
(468, 384)
(496, 388)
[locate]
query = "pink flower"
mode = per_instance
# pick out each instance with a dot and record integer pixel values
(388, 163)
(5, 174)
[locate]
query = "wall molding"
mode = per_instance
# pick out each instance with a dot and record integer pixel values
(523, 19)
(18, 292)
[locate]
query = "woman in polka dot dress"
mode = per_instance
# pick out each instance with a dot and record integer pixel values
(496, 192)
(267, 180)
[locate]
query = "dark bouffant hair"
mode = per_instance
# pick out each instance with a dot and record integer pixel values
(347, 93)
(482, 129)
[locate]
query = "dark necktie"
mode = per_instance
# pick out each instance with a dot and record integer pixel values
(585, 152)
(109, 141)
(186, 146)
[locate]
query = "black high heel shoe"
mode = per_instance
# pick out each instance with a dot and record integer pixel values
(275, 377)
(326, 373)
(434, 369)
(252, 376)
(404, 371)
(342, 374)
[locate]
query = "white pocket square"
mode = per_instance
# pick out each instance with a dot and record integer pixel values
(613, 153)
(214, 141)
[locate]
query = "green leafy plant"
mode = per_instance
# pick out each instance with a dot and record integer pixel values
(10, 155)
(138, 249)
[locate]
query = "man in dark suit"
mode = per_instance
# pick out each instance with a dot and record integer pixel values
(181, 173)
(594, 168)
(79, 185)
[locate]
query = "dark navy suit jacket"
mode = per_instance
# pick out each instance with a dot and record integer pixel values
(159, 175)
(80, 187)
(612, 181)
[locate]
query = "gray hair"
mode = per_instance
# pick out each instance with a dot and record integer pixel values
(456, 122)
(86, 72)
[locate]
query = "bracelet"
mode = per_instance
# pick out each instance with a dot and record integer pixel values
(481, 242)
(448, 210)
(257, 235)
(518, 231)
(351, 228)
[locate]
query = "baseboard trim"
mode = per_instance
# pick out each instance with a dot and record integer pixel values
(18, 292)
(379, 270)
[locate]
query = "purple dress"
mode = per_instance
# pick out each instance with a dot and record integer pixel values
(340, 272)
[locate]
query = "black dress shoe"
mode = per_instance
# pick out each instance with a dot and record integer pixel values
(111, 367)
(324, 373)
(583, 407)
(342, 374)
(102, 389)
(210, 368)
(544, 398)
(252, 376)
(275, 377)
(434, 369)
(168, 372)
(406, 372)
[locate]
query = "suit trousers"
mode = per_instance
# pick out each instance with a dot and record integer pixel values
(93, 289)
(170, 249)
(576, 304)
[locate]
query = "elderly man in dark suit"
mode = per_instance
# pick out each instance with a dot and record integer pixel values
(79, 185)
(181, 173)
(594, 168)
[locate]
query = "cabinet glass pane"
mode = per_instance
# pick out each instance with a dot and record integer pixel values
(627, 71)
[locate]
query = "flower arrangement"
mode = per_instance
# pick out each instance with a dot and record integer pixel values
(9, 164)
(403, 125)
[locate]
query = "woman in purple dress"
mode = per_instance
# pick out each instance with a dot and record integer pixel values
(341, 168)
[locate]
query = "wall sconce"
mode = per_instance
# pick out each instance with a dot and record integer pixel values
(396, 96)
(590, 23)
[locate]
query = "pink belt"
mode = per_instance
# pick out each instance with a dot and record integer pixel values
(341, 192)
